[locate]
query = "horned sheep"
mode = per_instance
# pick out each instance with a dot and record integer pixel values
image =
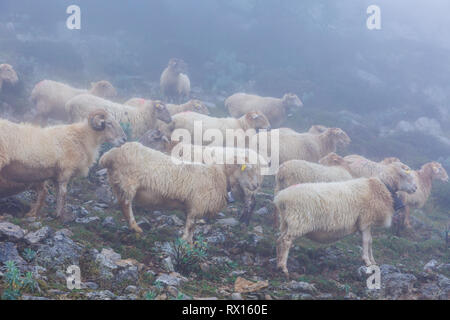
(275, 109)
(7, 75)
(157, 180)
(325, 212)
(50, 97)
(140, 118)
(175, 85)
(30, 154)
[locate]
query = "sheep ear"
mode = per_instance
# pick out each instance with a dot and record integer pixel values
(98, 122)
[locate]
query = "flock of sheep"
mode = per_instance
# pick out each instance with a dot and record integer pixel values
(318, 194)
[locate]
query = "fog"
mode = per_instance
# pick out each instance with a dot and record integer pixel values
(321, 50)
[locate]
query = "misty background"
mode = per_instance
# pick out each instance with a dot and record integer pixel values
(389, 88)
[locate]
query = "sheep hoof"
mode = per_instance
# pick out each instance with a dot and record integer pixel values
(137, 229)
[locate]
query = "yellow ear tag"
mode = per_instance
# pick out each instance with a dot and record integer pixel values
(408, 171)
(243, 167)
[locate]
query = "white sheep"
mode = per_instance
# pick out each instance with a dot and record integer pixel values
(154, 179)
(325, 212)
(423, 179)
(140, 118)
(302, 146)
(7, 75)
(192, 105)
(30, 154)
(300, 171)
(195, 122)
(50, 97)
(363, 167)
(276, 110)
(175, 85)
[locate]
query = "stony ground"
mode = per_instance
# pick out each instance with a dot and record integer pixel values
(236, 262)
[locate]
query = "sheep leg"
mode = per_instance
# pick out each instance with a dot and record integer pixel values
(372, 259)
(284, 243)
(248, 209)
(61, 199)
(127, 209)
(407, 221)
(188, 233)
(366, 243)
(41, 189)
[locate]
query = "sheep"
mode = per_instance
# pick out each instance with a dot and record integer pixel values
(275, 109)
(50, 97)
(250, 121)
(175, 85)
(317, 129)
(423, 179)
(160, 181)
(363, 167)
(192, 105)
(30, 154)
(327, 211)
(300, 171)
(303, 146)
(7, 75)
(140, 118)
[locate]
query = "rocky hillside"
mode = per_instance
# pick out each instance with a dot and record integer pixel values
(228, 261)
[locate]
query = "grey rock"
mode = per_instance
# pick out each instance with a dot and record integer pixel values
(301, 286)
(431, 266)
(109, 222)
(177, 221)
(39, 235)
(262, 211)
(10, 232)
(168, 265)
(107, 259)
(169, 280)
(228, 222)
(8, 252)
(86, 220)
(89, 285)
(398, 284)
(101, 295)
(127, 275)
(27, 297)
(58, 250)
(387, 268)
(144, 224)
(131, 289)
(236, 296)
(429, 291)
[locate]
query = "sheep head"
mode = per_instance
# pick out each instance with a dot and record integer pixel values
(339, 136)
(332, 159)
(103, 89)
(317, 129)
(398, 177)
(198, 106)
(161, 111)
(438, 171)
(177, 65)
(111, 131)
(257, 121)
(8, 74)
(154, 139)
(292, 101)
